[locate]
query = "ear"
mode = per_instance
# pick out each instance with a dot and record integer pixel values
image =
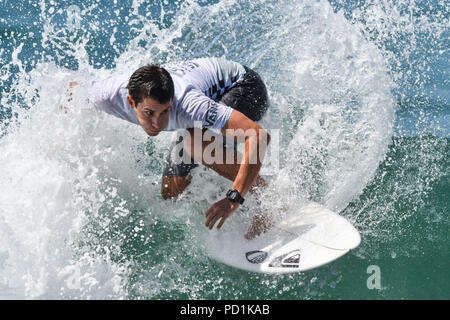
(131, 101)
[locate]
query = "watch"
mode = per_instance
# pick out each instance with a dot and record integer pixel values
(235, 196)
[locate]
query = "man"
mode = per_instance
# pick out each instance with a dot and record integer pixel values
(219, 95)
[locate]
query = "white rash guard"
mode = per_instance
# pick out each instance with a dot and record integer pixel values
(198, 85)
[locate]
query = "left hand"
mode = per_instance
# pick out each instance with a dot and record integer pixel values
(222, 209)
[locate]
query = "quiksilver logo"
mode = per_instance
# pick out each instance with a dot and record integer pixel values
(256, 256)
(288, 260)
(211, 114)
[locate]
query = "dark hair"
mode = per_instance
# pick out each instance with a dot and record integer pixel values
(151, 81)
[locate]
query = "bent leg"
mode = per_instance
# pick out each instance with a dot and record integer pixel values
(176, 177)
(176, 174)
(224, 165)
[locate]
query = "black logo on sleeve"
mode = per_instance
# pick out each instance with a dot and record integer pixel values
(211, 114)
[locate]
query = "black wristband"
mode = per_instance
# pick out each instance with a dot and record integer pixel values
(235, 196)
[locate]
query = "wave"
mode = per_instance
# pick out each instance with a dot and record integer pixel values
(80, 209)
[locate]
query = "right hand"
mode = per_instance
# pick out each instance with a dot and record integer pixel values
(69, 93)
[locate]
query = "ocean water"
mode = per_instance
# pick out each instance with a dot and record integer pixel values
(359, 95)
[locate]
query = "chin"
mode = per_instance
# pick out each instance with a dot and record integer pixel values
(153, 133)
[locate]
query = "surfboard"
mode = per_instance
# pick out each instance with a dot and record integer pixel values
(308, 237)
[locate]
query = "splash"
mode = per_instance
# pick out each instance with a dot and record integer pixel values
(80, 210)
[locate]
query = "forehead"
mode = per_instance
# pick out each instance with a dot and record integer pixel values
(152, 104)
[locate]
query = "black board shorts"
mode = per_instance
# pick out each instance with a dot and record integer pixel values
(248, 96)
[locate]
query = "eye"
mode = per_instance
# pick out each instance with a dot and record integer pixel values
(165, 111)
(149, 113)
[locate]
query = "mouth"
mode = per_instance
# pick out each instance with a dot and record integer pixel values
(153, 131)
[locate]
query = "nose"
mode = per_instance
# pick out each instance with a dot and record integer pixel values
(158, 123)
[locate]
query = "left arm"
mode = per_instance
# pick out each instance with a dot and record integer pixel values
(256, 142)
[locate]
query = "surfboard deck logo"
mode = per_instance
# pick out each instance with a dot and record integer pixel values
(256, 256)
(287, 260)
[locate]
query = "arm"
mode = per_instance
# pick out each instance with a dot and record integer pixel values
(256, 142)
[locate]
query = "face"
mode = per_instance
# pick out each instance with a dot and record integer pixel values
(151, 115)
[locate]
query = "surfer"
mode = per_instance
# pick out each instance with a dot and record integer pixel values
(210, 97)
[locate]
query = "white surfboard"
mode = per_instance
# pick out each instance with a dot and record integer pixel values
(307, 238)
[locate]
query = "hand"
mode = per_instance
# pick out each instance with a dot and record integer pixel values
(222, 209)
(63, 107)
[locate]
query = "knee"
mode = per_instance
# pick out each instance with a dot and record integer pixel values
(171, 187)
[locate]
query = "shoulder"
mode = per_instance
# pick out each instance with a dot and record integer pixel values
(108, 87)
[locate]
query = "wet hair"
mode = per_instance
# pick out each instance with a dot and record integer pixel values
(151, 81)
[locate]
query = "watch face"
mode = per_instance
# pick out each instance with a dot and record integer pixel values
(233, 195)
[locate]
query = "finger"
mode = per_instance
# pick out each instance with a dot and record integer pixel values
(210, 211)
(210, 216)
(211, 222)
(214, 220)
(208, 219)
(222, 222)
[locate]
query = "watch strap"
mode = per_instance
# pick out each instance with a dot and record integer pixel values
(235, 196)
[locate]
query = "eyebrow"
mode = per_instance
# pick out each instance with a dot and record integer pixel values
(148, 109)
